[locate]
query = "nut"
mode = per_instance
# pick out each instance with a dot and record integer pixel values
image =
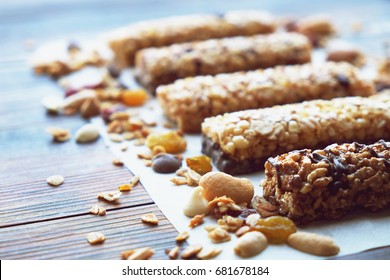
(144, 253)
(218, 235)
(52, 104)
(182, 236)
(196, 221)
(165, 163)
(90, 108)
(150, 219)
(117, 162)
(217, 184)
(197, 204)
(191, 251)
(110, 196)
(242, 230)
(97, 210)
(250, 244)
(75, 101)
(232, 224)
(55, 180)
(87, 133)
(314, 244)
(115, 137)
(174, 253)
(59, 134)
(208, 253)
(95, 238)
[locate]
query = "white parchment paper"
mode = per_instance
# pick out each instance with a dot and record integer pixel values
(356, 232)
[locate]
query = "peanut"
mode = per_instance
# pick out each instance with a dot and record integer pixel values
(250, 244)
(314, 244)
(217, 184)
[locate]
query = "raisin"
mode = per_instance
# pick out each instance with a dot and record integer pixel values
(277, 229)
(171, 141)
(200, 164)
(135, 97)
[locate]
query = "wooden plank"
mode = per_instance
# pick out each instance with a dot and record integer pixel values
(30, 157)
(66, 238)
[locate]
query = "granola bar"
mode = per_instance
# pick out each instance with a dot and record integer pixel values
(126, 41)
(159, 66)
(309, 185)
(189, 101)
(240, 142)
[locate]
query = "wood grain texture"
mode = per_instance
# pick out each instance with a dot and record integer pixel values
(42, 222)
(66, 238)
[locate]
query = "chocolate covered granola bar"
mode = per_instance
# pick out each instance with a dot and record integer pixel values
(240, 142)
(310, 185)
(189, 101)
(126, 41)
(159, 66)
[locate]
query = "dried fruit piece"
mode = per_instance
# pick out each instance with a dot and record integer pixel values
(191, 251)
(218, 235)
(165, 163)
(144, 253)
(196, 221)
(158, 150)
(250, 244)
(134, 97)
(95, 238)
(208, 253)
(110, 196)
(200, 164)
(87, 133)
(150, 218)
(314, 244)
(124, 188)
(59, 134)
(55, 180)
(98, 210)
(172, 142)
(182, 236)
(277, 229)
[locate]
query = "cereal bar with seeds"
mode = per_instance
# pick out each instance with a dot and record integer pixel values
(126, 41)
(241, 142)
(310, 185)
(159, 66)
(189, 101)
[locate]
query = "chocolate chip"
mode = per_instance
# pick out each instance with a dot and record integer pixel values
(165, 163)
(114, 71)
(73, 46)
(343, 80)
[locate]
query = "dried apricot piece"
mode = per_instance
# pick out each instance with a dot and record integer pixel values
(277, 229)
(171, 141)
(134, 97)
(200, 164)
